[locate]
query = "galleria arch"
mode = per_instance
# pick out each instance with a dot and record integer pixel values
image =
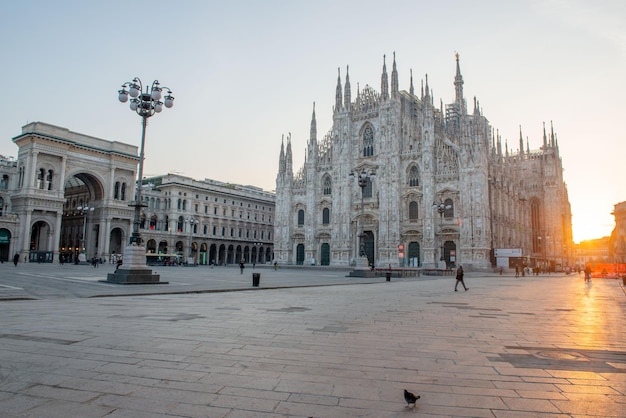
(73, 194)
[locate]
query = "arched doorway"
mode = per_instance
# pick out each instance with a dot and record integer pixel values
(5, 244)
(40, 241)
(116, 239)
(203, 248)
(300, 254)
(231, 254)
(414, 254)
(449, 254)
(79, 238)
(325, 254)
(221, 259)
(179, 249)
(238, 255)
(151, 246)
(213, 254)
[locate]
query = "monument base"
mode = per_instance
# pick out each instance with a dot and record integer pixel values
(134, 270)
(362, 268)
(134, 276)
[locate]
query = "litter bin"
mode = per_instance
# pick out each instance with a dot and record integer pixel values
(256, 278)
(388, 275)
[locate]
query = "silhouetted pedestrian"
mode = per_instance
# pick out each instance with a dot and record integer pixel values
(16, 259)
(459, 279)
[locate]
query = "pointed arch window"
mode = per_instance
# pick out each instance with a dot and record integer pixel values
(368, 141)
(300, 217)
(413, 211)
(327, 187)
(413, 177)
(116, 190)
(123, 192)
(325, 216)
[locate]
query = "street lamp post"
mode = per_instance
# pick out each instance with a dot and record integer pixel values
(145, 104)
(192, 223)
(441, 209)
(84, 211)
(363, 178)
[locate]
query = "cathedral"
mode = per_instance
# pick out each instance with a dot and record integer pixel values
(408, 183)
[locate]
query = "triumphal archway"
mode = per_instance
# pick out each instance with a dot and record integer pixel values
(72, 195)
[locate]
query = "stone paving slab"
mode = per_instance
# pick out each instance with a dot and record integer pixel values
(533, 347)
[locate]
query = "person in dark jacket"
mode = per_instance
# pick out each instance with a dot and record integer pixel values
(16, 259)
(459, 279)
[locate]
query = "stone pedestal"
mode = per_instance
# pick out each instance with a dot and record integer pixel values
(134, 269)
(362, 268)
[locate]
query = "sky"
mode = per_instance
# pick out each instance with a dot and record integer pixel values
(245, 73)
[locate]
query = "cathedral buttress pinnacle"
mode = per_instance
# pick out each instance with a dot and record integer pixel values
(281, 159)
(394, 78)
(384, 82)
(313, 136)
(338, 92)
(347, 97)
(289, 157)
(458, 86)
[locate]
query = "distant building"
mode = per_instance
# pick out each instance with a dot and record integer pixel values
(67, 195)
(425, 157)
(618, 237)
(592, 251)
(207, 221)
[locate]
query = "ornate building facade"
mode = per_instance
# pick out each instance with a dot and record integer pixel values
(445, 190)
(67, 196)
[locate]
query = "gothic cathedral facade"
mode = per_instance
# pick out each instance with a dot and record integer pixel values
(412, 184)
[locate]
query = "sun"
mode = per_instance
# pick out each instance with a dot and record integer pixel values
(587, 229)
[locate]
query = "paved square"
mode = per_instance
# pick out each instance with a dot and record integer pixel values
(532, 347)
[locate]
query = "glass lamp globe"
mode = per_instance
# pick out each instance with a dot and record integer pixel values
(156, 93)
(133, 90)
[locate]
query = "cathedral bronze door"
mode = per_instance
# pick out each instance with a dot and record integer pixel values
(300, 254)
(449, 254)
(414, 254)
(325, 254)
(368, 239)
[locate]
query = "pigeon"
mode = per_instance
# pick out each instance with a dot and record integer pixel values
(410, 398)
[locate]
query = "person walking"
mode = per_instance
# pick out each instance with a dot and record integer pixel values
(459, 279)
(587, 274)
(241, 266)
(16, 259)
